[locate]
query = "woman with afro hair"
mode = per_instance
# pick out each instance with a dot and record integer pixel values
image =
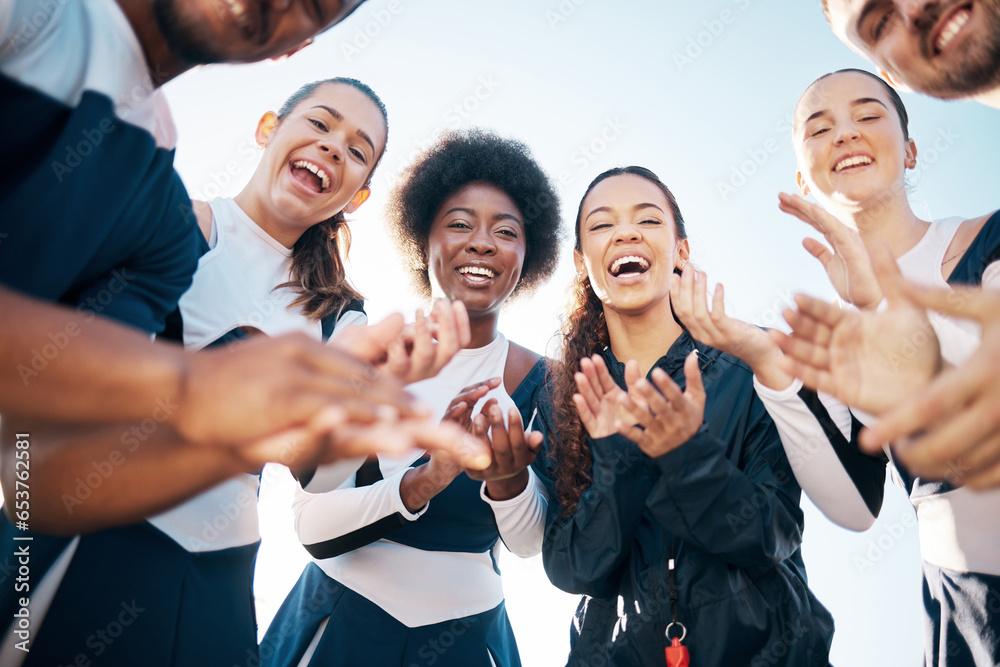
(405, 551)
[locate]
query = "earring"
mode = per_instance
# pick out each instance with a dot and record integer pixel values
(684, 263)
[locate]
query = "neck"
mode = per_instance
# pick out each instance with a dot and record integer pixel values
(990, 98)
(484, 329)
(644, 337)
(886, 219)
(163, 64)
(254, 208)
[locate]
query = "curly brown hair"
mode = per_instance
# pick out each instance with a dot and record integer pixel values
(584, 333)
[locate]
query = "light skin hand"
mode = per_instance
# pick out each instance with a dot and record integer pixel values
(255, 388)
(689, 297)
(952, 427)
(868, 360)
(598, 398)
(513, 451)
(846, 261)
(657, 416)
(426, 347)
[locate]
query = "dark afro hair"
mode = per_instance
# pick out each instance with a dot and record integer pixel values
(476, 156)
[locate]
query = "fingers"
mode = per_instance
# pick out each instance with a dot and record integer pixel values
(467, 399)
(800, 208)
(695, 389)
(469, 451)
(949, 393)
(587, 393)
(819, 251)
(604, 377)
(823, 312)
(982, 305)
(887, 272)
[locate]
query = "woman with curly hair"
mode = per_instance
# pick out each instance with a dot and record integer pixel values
(404, 553)
(675, 511)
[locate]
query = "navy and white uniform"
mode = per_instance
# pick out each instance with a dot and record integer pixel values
(959, 540)
(92, 215)
(392, 587)
(182, 579)
(723, 508)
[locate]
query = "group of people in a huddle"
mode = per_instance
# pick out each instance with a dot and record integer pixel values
(628, 461)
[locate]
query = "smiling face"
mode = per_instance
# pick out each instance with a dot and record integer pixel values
(849, 142)
(316, 158)
(475, 248)
(628, 244)
(947, 49)
(215, 31)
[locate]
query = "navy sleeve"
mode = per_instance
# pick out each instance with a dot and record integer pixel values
(586, 552)
(745, 512)
(984, 250)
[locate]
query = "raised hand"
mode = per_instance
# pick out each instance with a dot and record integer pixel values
(657, 416)
(847, 264)
(598, 400)
(513, 451)
(460, 408)
(952, 425)
(257, 388)
(689, 298)
(419, 351)
(869, 360)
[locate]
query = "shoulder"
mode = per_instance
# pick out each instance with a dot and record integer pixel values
(978, 243)
(203, 214)
(520, 361)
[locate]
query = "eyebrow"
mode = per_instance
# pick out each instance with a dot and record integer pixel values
(339, 116)
(854, 103)
(636, 208)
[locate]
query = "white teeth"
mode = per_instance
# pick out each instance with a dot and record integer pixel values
(852, 162)
(302, 164)
(625, 260)
(950, 30)
(477, 270)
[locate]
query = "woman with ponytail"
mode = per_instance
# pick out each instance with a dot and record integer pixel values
(675, 511)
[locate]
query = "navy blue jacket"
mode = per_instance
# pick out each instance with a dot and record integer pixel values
(727, 504)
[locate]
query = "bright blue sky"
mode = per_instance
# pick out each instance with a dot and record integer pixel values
(559, 75)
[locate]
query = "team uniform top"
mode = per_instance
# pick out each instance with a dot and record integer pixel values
(203, 550)
(723, 509)
(418, 568)
(91, 210)
(959, 543)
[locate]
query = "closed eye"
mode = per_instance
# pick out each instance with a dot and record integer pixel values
(458, 224)
(599, 225)
(507, 232)
(882, 24)
(358, 153)
(820, 131)
(319, 124)
(651, 221)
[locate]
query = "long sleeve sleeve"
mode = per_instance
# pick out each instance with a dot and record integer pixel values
(820, 440)
(335, 522)
(585, 552)
(521, 519)
(747, 514)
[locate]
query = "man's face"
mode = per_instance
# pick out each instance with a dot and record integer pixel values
(947, 49)
(213, 31)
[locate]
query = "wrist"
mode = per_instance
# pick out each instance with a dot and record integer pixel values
(508, 487)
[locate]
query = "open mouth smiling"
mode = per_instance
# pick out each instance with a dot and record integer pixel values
(950, 27)
(628, 265)
(852, 162)
(311, 176)
(477, 273)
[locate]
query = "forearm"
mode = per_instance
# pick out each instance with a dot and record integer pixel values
(85, 478)
(69, 365)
